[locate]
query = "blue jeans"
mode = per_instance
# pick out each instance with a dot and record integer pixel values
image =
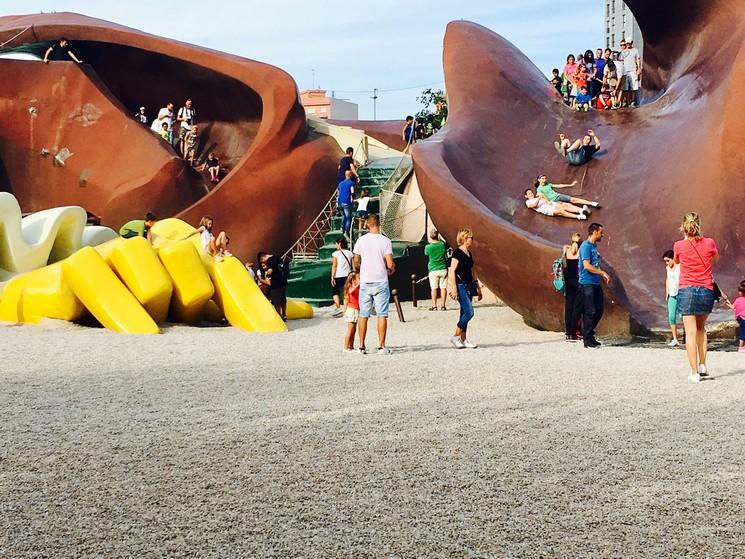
(346, 221)
(466, 307)
(378, 294)
(594, 306)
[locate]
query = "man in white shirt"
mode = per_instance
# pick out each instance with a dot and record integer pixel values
(373, 256)
(632, 65)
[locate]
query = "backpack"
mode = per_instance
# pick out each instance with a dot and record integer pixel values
(557, 275)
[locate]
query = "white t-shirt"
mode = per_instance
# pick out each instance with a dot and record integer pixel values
(620, 67)
(373, 248)
(673, 279)
(541, 206)
(343, 262)
(206, 237)
(189, 115)
(629, 60)
(362, 204)
(157, 125)
(165, 114)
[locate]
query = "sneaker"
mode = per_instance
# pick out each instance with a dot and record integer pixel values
(581, 217)
(457, 342)
(218, 258)
(361, 351)
(592, 344)
(694, 378)
(347, 350)
(595, 205)
(586, 209)
(571, 339)
(469, 345)
(673, 343)
(384, 351)
(703, 370)
(227, 253)
(337, 313)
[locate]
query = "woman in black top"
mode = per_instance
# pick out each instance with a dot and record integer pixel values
(463, 285)
(572, 302)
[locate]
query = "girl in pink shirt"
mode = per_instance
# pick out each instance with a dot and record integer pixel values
(739, 307)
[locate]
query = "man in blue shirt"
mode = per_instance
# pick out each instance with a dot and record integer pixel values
(590, 285)
(346, 190)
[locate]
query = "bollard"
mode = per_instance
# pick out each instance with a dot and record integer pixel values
(413, 290)
(396, 302)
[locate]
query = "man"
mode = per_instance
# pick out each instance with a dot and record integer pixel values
(344, 199)
(437, 268)
(590, 285)
(186, 117)
(373, 257)
(165, 114)
(139, 227)
(600, 63)
(275, 278)
(60, 53)
(346, 164)
(579, 152)
(632, 64)
(141, 116)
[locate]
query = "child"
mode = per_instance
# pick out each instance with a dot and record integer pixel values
(352, 312)
(164, 133)
(739, 307)
(362, 202)
(217, 247)
(556, 80)
(583, 100)
(190, 144)
(671, 294)
(212, 164)
(605, 99)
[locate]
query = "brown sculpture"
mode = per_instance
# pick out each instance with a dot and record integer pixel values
(248, 112)
(683, 150)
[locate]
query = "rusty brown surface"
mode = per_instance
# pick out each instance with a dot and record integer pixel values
(279, 174)
(684, 150)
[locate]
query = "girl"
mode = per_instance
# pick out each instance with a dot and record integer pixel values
(569, 70)
(589, 59)
(362, 203)
(217, 247)
(696, 254)
(463, 285)
(352, 313)
(671, 294)
(572, 302)
(739, 307)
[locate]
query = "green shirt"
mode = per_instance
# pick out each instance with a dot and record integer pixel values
(134, 226)
(548, 191)
(436, 254)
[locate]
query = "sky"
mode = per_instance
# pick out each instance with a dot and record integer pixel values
(350, 47)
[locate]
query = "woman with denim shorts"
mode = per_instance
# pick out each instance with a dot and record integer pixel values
(463, 285)
(695, 254)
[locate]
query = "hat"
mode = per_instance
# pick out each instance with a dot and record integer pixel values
(142, 108)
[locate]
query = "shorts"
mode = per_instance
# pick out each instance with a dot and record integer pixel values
(563, 198)
(696, 300)
(546, 209)
(741, 323)
(361, 214)
(575, 158)
(351, 315)
(672, 310)
(629, 82)
(438, 278)
(338, 289)
(278, 296)
(613, 83)
(377, 294)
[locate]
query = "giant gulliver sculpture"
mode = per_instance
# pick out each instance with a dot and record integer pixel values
(249, 113)
(683, 150)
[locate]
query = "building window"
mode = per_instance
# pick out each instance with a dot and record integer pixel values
(624, 20)
(311, 111)
(613, 40)
(323, 109)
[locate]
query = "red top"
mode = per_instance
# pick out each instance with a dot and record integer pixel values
(695, 271)
(353, 298)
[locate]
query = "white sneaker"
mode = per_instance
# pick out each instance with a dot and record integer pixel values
(361, 351)
(457, 342)
(581, 217)
(694, 378)
(586, 209)
(384, 351)
(337, 313)
(703, 371)
(673, 343)
(469, 345)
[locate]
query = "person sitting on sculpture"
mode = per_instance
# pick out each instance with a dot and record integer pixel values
(583, 101)
(546, 189)
(578, 152)
(60, 52)
(212, 164)
(540, 204)
(139, 227)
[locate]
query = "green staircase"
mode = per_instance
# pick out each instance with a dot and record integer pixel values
(310, 279)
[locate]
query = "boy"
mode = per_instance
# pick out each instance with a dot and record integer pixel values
(164, 133)
(671, 294)
(139, 227)
(583, 100)
(605, 99)
(190, 143)
(556, 80)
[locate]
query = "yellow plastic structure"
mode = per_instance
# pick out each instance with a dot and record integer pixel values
(192, 287)
(298, 309)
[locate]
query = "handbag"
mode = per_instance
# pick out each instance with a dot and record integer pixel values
(715, 287)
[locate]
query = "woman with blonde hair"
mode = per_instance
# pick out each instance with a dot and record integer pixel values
(572, 300)
(463, 285)
(696, 297)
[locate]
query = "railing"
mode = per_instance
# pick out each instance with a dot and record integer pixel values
(312, 239)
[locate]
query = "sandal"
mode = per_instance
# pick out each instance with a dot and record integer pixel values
(443, 308)
(433, 308)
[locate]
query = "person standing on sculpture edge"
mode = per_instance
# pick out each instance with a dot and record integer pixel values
(572, 298)
(463, 285)
(344, 200)
(341, 267)
(591, 291)
(696, 254)
(60, 52)
(373, 257)
(437, 269)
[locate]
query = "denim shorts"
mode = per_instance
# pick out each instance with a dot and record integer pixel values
(378, 294)
(696, 300)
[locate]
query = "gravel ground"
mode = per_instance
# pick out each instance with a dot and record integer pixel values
(216, 443)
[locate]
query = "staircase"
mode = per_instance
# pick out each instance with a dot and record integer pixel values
(310, 274)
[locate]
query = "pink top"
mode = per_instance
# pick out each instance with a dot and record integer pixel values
(569, 70)
(739, 305)
(695, 262)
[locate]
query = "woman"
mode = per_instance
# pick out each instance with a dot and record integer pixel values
(591, 72)
(572, 303)
(341, 267)
(463, 285)
(695, 254)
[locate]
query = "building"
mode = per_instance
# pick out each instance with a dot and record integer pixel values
(620, 23)
(318, 104)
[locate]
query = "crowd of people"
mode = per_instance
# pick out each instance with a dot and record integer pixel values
(603, 80)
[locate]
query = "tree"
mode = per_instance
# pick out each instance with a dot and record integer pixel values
(434, 111)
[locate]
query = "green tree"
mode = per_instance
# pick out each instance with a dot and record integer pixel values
(434, 111)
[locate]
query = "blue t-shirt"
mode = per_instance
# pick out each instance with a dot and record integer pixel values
(583, 98)
(588, 251)
(600, 64)
(345, 191)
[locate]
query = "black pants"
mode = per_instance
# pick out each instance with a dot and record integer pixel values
(592, 299)
(572, 307)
